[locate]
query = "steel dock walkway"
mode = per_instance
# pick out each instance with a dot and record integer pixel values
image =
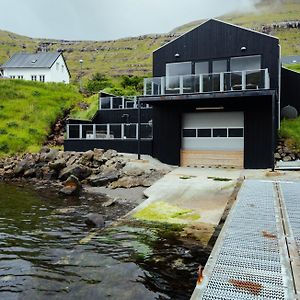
(257, 253)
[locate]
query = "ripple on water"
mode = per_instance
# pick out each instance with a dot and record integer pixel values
(47, 255)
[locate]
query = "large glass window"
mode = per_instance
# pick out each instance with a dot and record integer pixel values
(245, 63)
(182, 68)
(201, 67)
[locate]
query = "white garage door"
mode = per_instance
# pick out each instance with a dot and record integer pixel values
(213, 139)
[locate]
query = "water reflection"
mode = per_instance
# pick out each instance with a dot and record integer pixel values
(41, 256)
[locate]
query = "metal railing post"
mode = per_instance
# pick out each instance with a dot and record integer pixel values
(243, 80)
(80, 131)
(152, 88)
(221, 82)
(107, 131)
(123, 102)
(68, 131)
(122, 131)
(111, 102)
(94, 131)
(267, 79)
(100, 106)
(181, 84)
(162, 85)
(201, 83)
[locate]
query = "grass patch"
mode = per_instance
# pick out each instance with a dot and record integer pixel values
(219, 178)
(290, 131)
(27, 111)
(162, 211)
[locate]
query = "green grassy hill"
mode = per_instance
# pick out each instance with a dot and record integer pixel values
(27, 111)
(132, 56)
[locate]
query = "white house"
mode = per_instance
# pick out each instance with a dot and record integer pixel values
(41, 66)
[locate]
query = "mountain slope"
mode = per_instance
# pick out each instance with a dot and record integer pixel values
(134, 55)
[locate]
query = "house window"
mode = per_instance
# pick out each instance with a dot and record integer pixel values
(33, 77)
(235, 132)
(57, 66)
(12, 76)
(245, 63)
(20, 77)
(202, 67)
(204, 132)
(175, 69)
(62, 68)
(189, 132)
(42, 78)
(220, 132)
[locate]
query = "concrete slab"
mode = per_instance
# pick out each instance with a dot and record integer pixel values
(203, 191)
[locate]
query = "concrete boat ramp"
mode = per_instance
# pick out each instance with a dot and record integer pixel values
(257, 252)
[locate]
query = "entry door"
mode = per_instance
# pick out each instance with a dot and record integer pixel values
(213, 139)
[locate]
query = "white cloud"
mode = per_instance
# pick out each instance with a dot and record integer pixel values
(107, 19)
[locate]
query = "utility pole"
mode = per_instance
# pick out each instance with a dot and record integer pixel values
(80, 78)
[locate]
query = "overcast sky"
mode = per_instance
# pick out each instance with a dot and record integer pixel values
(107, 19)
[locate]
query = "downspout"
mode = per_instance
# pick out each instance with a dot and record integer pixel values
(139, 128)
(279, 86)
(273, 132)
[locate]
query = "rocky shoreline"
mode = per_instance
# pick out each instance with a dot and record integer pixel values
(71, 170)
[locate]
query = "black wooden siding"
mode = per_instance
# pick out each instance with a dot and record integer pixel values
(216, 40)
(123, 146)
(290, 89)
(258, 135)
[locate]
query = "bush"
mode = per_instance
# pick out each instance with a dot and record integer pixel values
(97, 83)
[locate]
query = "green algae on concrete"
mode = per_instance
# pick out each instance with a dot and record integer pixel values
(161, 211)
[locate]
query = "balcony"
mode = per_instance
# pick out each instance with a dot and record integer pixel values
(114, 131)
(208, 83)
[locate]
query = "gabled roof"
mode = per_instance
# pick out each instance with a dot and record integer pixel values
(36, 60)
(221, 22)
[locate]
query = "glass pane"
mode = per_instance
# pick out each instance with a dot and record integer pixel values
(117, 102)
(204, 132)
(236, 81)
(201, 67)
(130, 131)
(105, 103)
(219, 66)
(254, 80)
(115, 131)
(207, 83)
(146, 131)
(245, 63)
(220, 132)
(87, 132)
(182, 68)
(189, 132)
(235, 132)
(216, 82)
(188, 84)
(74, 131)
(101, 131)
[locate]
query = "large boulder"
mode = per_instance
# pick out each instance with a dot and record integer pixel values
(98, 155)
(22, 166)
(95, 220)
(57, 165)
(81, 172)
(87, 157)
(49, 156)
(72, 186)
(109, 154)
(103, 179)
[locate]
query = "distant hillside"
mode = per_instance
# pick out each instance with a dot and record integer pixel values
(133, 55)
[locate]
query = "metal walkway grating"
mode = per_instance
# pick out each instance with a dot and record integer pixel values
(250, 259)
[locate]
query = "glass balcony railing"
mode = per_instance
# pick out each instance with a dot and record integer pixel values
(122, 102)
(121, 131)
(207, 83)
